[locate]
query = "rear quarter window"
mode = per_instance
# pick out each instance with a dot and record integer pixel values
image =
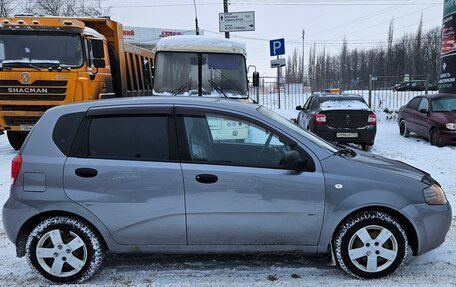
(65, 129)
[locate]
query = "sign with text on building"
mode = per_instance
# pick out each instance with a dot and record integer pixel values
(277, 47)
(237, 21)
(278, 63)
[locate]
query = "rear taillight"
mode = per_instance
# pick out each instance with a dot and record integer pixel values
(320, 118)
(15, 167)
(372, 119)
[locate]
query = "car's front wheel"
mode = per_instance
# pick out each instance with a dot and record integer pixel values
(434, 138)
(64, 250)
(370, 245)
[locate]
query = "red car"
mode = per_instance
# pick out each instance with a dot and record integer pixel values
(431, 116)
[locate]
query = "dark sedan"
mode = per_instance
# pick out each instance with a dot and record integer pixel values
(340, 118)
(431, 116)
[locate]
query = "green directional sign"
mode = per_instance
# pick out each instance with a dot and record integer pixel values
(449, 7)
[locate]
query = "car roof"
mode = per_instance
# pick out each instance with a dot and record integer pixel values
(235, 104)
(337, 97)
(439, 96)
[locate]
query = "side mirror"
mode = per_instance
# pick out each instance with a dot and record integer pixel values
(256, 79)
(424, 111)
(298, 108)
(99, 63)
(98, 49)
(293, 160)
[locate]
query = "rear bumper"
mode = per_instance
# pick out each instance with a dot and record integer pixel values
(366, 135)
(431, 223)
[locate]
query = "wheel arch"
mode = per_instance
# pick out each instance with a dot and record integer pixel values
(402, 219)
(32, 222)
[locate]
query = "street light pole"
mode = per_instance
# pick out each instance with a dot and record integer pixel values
(225, 10)
(197, 32)
(303, 74)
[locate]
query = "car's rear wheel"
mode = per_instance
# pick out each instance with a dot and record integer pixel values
(64, 250)
(16, 139)
(403, 129)
(367, 146)
(370, 245)
(434, 138)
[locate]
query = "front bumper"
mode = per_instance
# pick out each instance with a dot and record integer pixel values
(431, 223)
(448, 137)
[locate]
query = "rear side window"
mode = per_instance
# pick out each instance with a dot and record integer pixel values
(413, 105)
(64, 131)
(129, 138)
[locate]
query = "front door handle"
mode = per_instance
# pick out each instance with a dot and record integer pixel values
(206, 178)
(86, 172)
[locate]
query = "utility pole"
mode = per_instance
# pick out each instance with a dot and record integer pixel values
(303, 74)
(225, 10)
(197, 32)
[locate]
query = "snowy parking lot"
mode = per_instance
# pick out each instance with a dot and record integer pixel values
(437, 267)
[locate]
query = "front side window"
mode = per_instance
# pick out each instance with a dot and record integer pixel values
(40, 49)
(424, 105)
(222, 75)
(222, 139)
(139, 137)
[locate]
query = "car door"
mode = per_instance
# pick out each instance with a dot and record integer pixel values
(123, 167)
(422, 117)
(411, 112)
(303, 114)
(236, 191)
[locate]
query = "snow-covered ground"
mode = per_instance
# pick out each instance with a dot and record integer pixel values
(437, 267)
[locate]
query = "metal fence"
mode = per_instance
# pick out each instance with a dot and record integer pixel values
(377, 91)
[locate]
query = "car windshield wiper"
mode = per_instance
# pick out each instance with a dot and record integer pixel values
(344, 150)
(217, 88)
(10, 64)
(181, 88)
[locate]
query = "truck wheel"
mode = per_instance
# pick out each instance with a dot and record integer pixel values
(370, 245)
(16, 139)
(64, 250)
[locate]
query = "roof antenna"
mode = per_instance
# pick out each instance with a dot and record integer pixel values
(196, 19)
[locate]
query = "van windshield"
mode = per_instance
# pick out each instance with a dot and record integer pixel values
(222, 75)
(21, 49)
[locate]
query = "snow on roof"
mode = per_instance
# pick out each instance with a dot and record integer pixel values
(191, 43)
(92, 32)
(343, 105)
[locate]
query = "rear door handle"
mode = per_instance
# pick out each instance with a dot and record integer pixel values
(86, 172)
(206, 178)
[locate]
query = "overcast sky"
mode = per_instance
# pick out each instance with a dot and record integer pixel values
(364, 23)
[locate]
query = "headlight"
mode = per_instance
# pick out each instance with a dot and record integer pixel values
(434, 195)
(451, 126)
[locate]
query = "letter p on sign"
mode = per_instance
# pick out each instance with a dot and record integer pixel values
(277, 47)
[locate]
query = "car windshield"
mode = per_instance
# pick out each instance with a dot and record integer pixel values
(278, 118)
(222, 75)
(444, 104)
(25, 49)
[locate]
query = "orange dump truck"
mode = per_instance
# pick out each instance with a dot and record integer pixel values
(50, 61)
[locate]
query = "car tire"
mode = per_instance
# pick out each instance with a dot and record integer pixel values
(64, 250)
(367, 146)
(403, 129)
(434, 138)
(16, 139)
(362, 240)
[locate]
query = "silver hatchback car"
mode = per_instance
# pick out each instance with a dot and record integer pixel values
(185, 175)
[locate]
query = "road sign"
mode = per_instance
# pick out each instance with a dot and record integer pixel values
(237, 21)
(278, 63)
(277, 47)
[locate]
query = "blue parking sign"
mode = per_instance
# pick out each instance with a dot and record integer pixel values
(277, 47)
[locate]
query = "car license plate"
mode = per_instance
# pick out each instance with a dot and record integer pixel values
(25, 128)
(347, 135)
